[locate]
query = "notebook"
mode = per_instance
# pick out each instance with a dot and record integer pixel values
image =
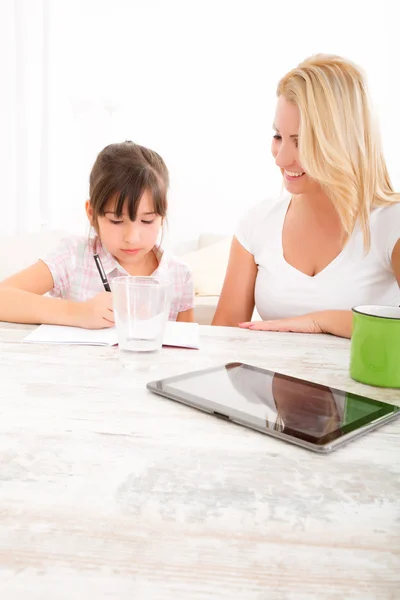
(183, 335)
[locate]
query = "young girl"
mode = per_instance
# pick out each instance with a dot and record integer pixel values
(127, 207)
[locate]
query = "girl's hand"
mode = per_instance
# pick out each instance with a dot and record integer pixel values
(302, 324)
(96, 313)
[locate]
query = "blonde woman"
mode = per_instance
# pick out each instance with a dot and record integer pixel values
(332, 241)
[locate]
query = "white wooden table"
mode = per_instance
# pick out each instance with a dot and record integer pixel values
(107, 491)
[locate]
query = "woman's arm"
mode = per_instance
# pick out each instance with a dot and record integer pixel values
(336, 322)
(396, 261)
(236, 302)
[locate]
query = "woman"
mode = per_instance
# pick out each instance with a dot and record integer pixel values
(333, 240)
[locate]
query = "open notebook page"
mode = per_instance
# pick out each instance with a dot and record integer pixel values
(183, 335)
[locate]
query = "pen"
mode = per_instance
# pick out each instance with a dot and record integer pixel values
(102, 273)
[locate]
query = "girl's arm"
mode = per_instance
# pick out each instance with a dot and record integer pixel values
(186, 316)
(236, 303)
(36, 279)
(22, 298)
(187, 297)
(22, 301)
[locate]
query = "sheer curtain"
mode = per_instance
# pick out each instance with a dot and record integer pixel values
(193, 80)
(24, 115)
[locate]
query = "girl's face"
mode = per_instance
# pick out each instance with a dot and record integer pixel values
(128, 241)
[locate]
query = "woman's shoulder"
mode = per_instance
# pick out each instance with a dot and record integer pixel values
(389, 213)
(252, 228)
(384, 223)
(266, 208)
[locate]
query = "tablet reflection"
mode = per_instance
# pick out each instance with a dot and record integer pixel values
(290, 405)
(305, 406)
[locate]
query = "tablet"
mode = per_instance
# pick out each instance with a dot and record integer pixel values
(314, 416)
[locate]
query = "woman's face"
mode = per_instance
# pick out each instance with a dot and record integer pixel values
(285, 148)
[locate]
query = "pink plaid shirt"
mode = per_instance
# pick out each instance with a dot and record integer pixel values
(76, 277)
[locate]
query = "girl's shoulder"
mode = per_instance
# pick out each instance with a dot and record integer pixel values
(69, 247)
(174, 267)
(68, 262)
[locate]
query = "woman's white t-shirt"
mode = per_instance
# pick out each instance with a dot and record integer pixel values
(352, 278)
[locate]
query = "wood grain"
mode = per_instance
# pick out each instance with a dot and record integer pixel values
(107, 491)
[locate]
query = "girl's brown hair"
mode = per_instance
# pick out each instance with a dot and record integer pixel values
(125, 171)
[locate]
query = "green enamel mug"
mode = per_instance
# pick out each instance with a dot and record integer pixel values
(375, 346)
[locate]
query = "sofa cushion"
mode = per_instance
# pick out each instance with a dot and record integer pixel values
(208, 265)
(204, 309)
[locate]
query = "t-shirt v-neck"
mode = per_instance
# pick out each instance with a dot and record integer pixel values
(351, 278)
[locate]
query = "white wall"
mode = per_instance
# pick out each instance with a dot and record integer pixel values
(196, 80)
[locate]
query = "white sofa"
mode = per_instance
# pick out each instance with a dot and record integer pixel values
(207, 256)
(208, 261)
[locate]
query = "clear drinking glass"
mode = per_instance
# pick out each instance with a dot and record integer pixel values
(141, 309)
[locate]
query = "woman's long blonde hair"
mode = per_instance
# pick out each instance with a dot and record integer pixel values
(339, 142)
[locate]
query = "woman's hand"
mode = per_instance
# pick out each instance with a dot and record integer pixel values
(302, 324)
(336, 322)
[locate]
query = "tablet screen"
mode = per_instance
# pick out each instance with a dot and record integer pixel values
(299, 408)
